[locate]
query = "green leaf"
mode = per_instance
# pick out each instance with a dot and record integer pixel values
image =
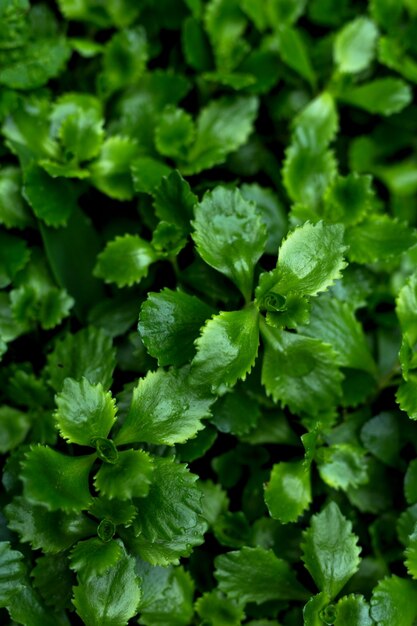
(55, 480)
(288, 492)
(300, 372)
(256, 575)
(225, 25)
(307, 173)
(174, 133)
(84, 412)
(334, 322)
(130, 477)
(393, 602)
(14, 255)
(124, 59)
(195, 45)
(226, 349)
(222, 126)
(148, 173)
(26, 607)
(317, 124)
(167, 596)
(410, 482)
(382, 96)
(230, 235)
(115, 510)
(381, 436)
(14, 426)
(391, 52)
(406, 396)
(330, 552)
(52, 200)
(294, 52)
(165, 409)
(88, 353)
(272, 213)
(348, 199)
(411, 555)
(406, 305)
(93, 557)
(13, 210)
(169, 522)
(354, 46)
(236, 412)
(284, 11)
(169, 323)
(342, 465)
(174, 201)
(12, 572)
(216, 609)
(379, 238)
(35, 63)
(53, 580)
(125, 260)
(50, 531)
(110, 172)
(353, 611)
(110, 598)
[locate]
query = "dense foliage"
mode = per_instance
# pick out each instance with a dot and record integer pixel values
(240, 176)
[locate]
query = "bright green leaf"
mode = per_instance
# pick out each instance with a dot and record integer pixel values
(230, 235)
(165, 409)
(214, 608)
(353, 611)
(125, 260)
(226, 349)
(394, 602)
(300, 372)
(342, 465)
(378, 239)
(354, 46)
(130, 477)
(330, 551)
(13, 210)
(110, 598)
(288, 492)
(93, 557)
(85, 411)
(316, 125)
(222, 127)
(383, 96)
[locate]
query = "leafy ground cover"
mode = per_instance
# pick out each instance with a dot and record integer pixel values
(208, 313)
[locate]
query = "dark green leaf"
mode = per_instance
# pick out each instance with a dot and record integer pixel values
(383, 96)
(12, 572)
(256, 575)
(167, 596)
(57, 481)
(169, 323)
(174, 201)
(88, 353)
(94, 557)
(13, 210)
(169, 522)
(14, 426)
